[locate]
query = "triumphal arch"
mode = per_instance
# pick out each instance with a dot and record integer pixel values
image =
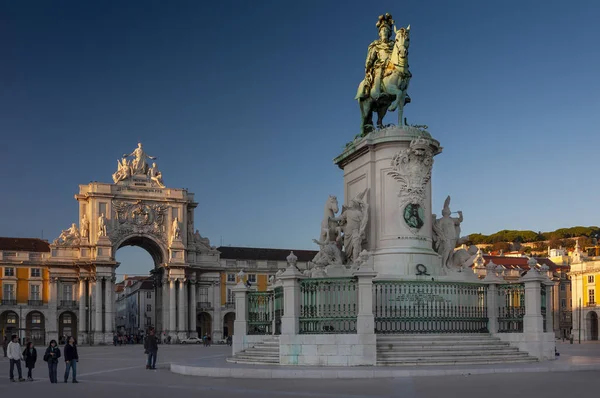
(136, 209)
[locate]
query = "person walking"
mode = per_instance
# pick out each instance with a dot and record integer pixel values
(5, 345)
(15, 356)
(71, 359)
(51, 356)
(151, 349)
(30, 356)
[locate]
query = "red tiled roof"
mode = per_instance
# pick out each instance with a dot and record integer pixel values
(24, 245)
(254, 253)
(521, 262)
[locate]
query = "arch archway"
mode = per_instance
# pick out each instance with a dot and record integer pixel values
(9, 323)
(140, 305)
(147, 242)
(228, 321)
(204, 324)
(591, 320)
(35, 328)
(67, 326)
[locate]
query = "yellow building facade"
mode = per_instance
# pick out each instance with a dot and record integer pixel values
(585, 278)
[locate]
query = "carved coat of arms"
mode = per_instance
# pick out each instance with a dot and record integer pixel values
(139, 218)
(412, 169)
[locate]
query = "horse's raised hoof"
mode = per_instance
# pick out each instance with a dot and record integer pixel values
(392, 107)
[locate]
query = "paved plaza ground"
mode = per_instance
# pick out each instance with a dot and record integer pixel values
(119, 371)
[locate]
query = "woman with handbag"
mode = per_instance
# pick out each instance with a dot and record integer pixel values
(51, 356)
(30, 356)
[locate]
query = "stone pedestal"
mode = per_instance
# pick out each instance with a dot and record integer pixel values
(239, 326)
(395, 165)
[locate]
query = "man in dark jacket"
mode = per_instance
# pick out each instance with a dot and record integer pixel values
(71, 359)
(151, 349)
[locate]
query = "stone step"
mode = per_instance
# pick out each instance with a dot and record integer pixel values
(420, 343)
(253, 362)
(440, 354)
(449, 350)
(257, 358)
(436, 337)
(452, 361)
(445, 346)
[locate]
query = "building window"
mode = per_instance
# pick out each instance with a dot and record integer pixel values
(230, 298)
(148, 307)
(36, 272)
(252, 278)
(591, 296)
(8, 291)
(148, 295)
(203, 294)
(68, 292)
(590, 278)
(272, 264)
(563, 303)
(562, 288)
(67, 318)
(251, 264)
(34, 292)
(36, 318)
(11, 318)
(230, 277)
(230, 263)
(148, 321)
(9, 271)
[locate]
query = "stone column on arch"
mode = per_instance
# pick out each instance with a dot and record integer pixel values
(172, 309)
(182, 309)
(98, 308)
(108, 305)
(164, 306)
(192, 308)
(52, 319)
(217, 322)
(82, 324)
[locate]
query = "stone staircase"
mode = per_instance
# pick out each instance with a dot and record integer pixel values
(265, 353)
(450, 349)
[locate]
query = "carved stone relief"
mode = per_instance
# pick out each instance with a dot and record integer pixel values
(412, 169)
(138, 218)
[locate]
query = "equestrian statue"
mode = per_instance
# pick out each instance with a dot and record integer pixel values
(385, 85)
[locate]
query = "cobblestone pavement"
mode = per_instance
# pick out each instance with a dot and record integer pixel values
(119, 371)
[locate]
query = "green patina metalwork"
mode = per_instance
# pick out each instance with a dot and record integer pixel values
(260, 313)
(328, 305)
(429, 307)
(511, 308)
(278, 306)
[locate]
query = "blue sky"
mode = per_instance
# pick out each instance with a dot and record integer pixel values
(247, 103)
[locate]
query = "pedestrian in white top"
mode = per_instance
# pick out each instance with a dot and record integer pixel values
(15, 355)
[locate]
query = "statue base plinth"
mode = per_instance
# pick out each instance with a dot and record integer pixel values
(389, 163)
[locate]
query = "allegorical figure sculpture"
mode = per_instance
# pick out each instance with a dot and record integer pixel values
(85, 227)
(123, 170)
(68, 236)
(446, 233)
(101, 225)
(353, 222)
(155, 175)
(387, 76)
(139, 165)
(175, 230)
